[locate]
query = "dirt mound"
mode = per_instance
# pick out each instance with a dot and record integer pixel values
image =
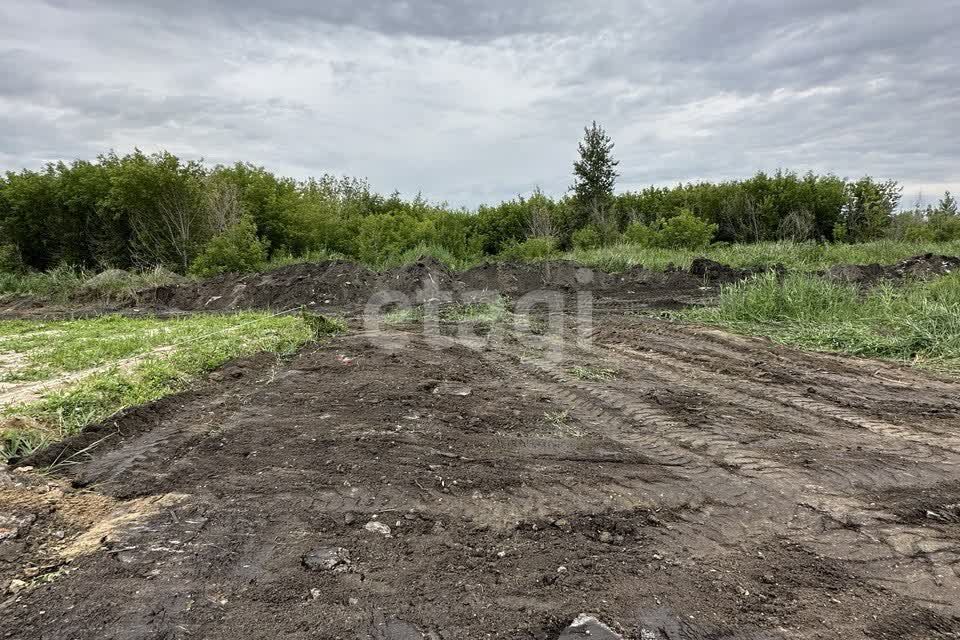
(924, 266)
(339, 284)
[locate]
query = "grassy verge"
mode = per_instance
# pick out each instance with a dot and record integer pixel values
(120, 362)
(916, 323)
(66, 283)
(800, 257)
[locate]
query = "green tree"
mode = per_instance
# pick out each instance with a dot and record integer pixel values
(947, 205)
(869, 208)
(595, 173)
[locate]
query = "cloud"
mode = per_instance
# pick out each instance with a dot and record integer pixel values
(471, 102)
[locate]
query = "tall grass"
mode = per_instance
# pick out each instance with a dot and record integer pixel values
(64, 283)
(918, 322)
(805, 256)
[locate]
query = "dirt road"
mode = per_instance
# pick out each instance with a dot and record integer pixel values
(677, 482)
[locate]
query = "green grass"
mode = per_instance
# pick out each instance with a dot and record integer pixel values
(62, 284)
(916, 323)
(801, 257)
(488, 312)
(168, 354)
(594, 374)
(399, 317)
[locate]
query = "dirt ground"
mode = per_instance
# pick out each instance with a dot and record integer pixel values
(676, 482)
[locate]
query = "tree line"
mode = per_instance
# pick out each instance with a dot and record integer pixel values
(142, 210)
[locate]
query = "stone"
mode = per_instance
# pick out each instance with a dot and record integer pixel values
(16, 586)
(326, 558)
(446, 389)
(377, 527)
(587, 626)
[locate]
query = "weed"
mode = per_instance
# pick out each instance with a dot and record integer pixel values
(917, 322)
(322, 326)
(802, 256)
(594, 374)
(556, 419)
(485, 312)
(403, 316)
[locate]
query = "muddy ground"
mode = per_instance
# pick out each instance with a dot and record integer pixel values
(495, 483)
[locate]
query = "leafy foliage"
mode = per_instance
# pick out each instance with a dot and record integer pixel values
(682, 231)
(137, 211)
(236, 250)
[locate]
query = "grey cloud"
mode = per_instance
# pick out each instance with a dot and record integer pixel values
(472, 102)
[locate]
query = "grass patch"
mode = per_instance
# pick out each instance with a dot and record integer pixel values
(593, 374)
(917, 323)
(400, 317)
(486, 312)
(802, 257)
(62, 284)
(323, 326)
(133, 360)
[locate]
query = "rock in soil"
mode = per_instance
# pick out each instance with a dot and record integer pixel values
(587, 626)
(326, 558)
(377, 527)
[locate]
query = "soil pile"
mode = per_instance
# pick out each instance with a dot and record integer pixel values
(340, 284)
(924, 266)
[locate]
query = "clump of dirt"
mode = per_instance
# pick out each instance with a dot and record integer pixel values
(924, 266)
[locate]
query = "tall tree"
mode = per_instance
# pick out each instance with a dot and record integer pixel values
(595, 173)
(947, 205)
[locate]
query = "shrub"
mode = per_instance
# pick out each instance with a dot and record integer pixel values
(588, 237)
(235, 250)
(531, 249)
(10, 261)
(686, 231)
(641, 234)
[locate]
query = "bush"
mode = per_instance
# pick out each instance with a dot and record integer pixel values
(686, 231)
(531, 249)
(235, 250)
(587, 238)
(641, 234)
(683, 231)
(10, 261)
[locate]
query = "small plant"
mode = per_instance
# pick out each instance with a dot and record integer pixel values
(403, 316)
(486, 312)
(557, 419)
(322, 326)
(594, 374)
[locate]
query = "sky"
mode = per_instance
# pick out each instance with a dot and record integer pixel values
(469, 101)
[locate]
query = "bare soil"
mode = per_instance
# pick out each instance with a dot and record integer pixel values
(347, 285)
(476, 484)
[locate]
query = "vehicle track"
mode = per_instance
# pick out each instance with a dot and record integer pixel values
(709, 487)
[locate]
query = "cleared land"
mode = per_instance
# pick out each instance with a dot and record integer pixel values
(498, 478)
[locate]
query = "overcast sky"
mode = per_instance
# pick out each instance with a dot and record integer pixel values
(473, 101)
